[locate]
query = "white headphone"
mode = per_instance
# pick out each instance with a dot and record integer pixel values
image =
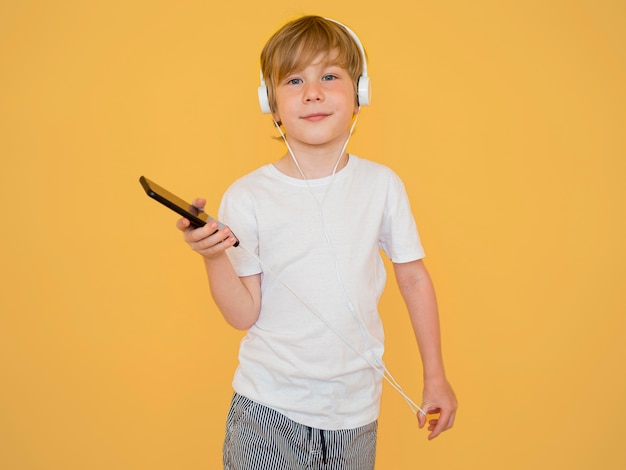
(364, 87)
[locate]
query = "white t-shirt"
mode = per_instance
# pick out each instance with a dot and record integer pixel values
(290, 359)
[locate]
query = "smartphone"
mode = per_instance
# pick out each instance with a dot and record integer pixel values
(196, 217)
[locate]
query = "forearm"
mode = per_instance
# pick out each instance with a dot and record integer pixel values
(418, 293)
(237, 298)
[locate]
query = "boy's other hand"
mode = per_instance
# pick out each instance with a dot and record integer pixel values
(439, 402)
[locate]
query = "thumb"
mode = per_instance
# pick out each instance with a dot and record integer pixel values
(421, 418)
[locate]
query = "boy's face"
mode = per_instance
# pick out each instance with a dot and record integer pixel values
(316, 105)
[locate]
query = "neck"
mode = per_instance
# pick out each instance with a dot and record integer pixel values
(312, 165)
(314, 162)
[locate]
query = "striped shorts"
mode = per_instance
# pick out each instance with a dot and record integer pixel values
(260, 438)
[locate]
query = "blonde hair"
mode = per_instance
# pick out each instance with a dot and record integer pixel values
(295, 46)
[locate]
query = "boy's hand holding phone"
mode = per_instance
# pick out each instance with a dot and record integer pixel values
(209, 240)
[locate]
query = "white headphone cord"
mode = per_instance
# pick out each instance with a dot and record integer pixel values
(379, 365)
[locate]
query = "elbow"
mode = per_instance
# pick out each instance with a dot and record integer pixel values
(241, 326)
(242, 322)
(412, 277)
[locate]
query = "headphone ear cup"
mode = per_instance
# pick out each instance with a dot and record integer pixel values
(364, 90)
(264, 100)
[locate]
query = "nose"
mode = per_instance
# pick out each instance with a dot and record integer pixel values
(313, 93)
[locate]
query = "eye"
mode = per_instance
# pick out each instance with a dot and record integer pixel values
(294, 81)
(329, 76)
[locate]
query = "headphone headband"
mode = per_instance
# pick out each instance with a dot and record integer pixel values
(364, 87)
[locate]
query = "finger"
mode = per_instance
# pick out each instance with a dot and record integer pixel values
(211, 241)
(199, 203)
(182, 224)
(432, 409)
(448, 418)
(423, 418)
(200, 234)
(451, 420)
(440, 425)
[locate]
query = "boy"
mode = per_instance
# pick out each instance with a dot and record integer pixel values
(306, 279)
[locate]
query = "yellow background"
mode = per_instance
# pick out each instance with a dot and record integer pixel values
(506, 120)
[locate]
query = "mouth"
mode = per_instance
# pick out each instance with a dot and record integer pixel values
(314, 117)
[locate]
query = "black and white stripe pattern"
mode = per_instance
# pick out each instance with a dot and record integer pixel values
(260, 438)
